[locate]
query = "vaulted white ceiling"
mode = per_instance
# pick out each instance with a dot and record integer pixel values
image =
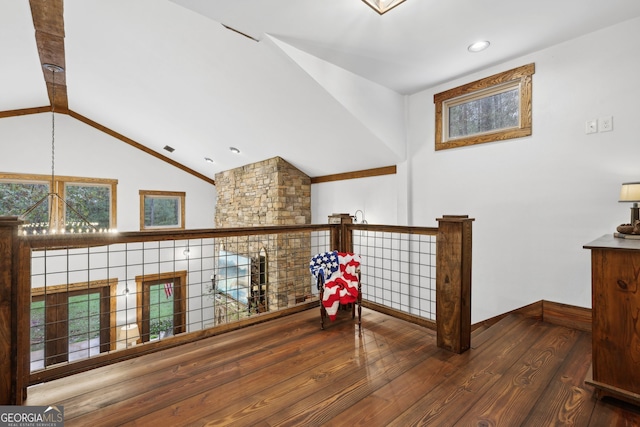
(319, 83)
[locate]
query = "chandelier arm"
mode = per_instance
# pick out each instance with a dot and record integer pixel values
(33, 207)
(75, 211)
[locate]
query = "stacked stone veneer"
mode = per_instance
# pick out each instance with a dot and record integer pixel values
(271, 192)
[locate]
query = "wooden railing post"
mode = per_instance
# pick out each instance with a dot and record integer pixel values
(339, 239)
(14, 314)
(453, 283)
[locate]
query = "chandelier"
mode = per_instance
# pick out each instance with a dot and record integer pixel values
(383, 6)
(55, 224)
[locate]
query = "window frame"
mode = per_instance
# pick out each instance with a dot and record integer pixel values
(143, 285)
(56, 299)
(180, 195)
(59, 185)
(520, 77)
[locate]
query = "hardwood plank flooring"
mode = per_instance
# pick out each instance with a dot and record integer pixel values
(288, 372)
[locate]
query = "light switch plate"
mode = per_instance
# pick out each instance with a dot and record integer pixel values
(591, 126)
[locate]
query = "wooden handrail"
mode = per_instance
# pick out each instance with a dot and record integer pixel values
(453, 283)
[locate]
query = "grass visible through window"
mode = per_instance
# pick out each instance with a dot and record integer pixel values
(160, 310)
(84, 317)
(84, 320)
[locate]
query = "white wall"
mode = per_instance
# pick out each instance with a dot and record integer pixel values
(538, 200)
(80, 150)
(375, 196)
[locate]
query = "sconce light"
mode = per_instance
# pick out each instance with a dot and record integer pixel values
(129, 334)
(360, 219)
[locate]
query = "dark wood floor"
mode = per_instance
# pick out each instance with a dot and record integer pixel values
(519, 372)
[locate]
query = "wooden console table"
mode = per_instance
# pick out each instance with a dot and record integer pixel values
(615, 283)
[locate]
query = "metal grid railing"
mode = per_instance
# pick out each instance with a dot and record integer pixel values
(117, 292)
(398, 270)
(99, 298)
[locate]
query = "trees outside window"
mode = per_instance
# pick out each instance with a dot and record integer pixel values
(162, 210)
(492, 109)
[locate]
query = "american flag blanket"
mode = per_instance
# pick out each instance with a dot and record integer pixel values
(337, 273)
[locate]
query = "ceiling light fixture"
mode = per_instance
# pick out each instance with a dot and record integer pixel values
(208, 160)
(234, 150)
(54, 223)
(383, 6)
(478, 46)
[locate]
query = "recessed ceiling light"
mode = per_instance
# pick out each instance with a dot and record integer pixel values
(208, 160)
(478, 46)
(234, 150)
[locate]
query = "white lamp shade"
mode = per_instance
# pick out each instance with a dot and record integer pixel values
(630, 192)
(129, 334)
(382, 6)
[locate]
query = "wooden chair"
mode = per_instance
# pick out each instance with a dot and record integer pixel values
(338, 279)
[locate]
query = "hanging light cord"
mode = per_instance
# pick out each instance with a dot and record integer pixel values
(53, 128)
(53, 146)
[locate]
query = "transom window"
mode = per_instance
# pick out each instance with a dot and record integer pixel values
(491, 109)
(80, 200)
(161, 210)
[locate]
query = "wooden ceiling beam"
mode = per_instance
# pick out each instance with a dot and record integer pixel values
(48, 21)
(24, 112)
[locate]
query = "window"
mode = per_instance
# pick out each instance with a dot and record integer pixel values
(91, 201)
(18, 196)
(492, 109)
(91, 198)
(161, 210)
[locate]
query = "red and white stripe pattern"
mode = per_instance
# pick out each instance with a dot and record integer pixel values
(342, 286)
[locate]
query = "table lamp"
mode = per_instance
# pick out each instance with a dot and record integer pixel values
(630, 192)
(130, 334)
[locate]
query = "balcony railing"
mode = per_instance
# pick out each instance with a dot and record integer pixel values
(83, 301)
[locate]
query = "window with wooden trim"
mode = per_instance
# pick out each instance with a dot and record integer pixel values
(91, 198)
(162, 210)
(491, 109)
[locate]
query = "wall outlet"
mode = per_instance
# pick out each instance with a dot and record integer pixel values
(605, 124)
(591, 126)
